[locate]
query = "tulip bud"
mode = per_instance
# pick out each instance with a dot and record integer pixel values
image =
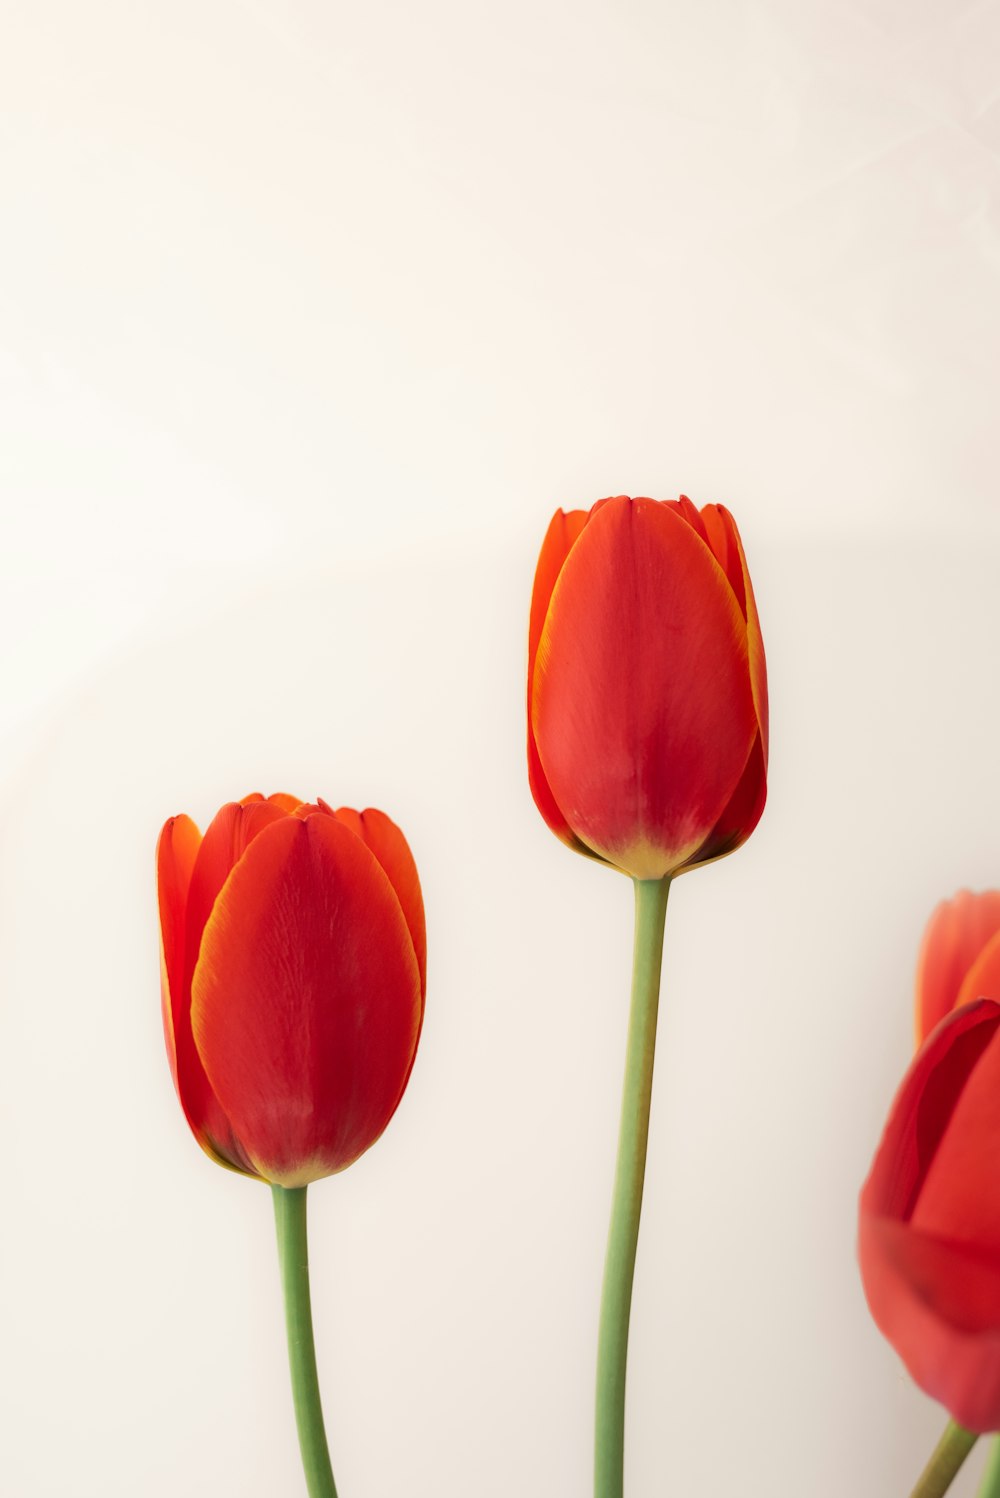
(647, 688)
(293, 967)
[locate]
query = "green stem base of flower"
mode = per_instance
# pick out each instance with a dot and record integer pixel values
(626, 1205)
(293, 1257)
(947, 1457)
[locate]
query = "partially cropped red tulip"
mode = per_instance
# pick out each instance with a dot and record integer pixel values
(959, 958)
(293, 956)
(929, 1238)
(647, 689)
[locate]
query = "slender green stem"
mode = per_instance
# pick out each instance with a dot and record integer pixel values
(990, 1486)
(949, 1454)
(626, 1204)
(293, 1256)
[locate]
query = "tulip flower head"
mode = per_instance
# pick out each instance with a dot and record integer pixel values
(647, 687)
(959, 957)
(293, 975)
(929, 1229)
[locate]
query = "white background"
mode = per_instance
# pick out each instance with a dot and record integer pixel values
(310, 315)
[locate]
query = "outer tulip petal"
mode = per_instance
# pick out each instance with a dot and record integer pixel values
(380, 834)
(744, 811)
(176, 861)
(229, 833)
(622, 715)
(563, 531)
(176, 852)
(929, 1239)
(306, 999)
(724, 539)
(954, 938)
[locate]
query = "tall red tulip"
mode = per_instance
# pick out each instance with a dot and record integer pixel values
(293, 968)
(647, 750)
(959, 957)
(929, 1235)
(647, 688)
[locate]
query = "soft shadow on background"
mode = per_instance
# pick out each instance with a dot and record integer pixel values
(309, 317)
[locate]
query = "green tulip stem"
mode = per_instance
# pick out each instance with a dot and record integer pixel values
(947, 1457)
(293, 1257)
(990, 1487)
(626, 1204)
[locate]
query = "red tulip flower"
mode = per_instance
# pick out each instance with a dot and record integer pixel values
(293, 962)
(647, 750)
(647, 688)
(929, 1240)
(293, 957)
(959, 958)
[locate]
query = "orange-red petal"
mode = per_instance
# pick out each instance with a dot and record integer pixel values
(929, 1226)
(564, 529)
(228, 835)
(982, 981)
(642, 708)
(380, 834)
(955, 937)
(311, 1061)
(176, 852)
(742, 813)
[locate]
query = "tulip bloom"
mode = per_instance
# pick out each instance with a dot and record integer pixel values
(647, 750)
(293, 958)
(647, 687)
(959, 958)
(293, 963)
(929, 1239)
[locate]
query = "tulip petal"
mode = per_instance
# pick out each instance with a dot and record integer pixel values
(982, 981)
(306, 999)
(228, 835)
(381, 835)
(642, 707)
(724, 538)
(176, 860)
(564, 528)
(955, 937)
(743, 812)
(176, 852)
(929, 1246)
(938, 1303)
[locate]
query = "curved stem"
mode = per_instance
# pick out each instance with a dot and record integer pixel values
(990, 1486)
(949, 1454)
(626, 1204)
(293, 1257)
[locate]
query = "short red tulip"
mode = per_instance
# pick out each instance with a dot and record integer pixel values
(929, 1238)
(293, 964)
(647, 689)
(959, 958)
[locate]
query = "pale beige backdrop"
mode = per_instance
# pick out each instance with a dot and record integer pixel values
(310, 314)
